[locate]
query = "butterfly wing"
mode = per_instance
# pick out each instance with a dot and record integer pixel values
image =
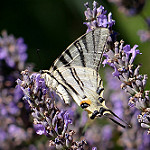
(86, 51)
(75, 73)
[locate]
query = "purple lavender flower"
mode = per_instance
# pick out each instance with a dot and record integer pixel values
(13, 51)
(121, 59)
(97, 17)
(144, 35)
(15, 126)
(129, 7)
(40, 129)
(130, 138)
(3, 135)
(48, 119)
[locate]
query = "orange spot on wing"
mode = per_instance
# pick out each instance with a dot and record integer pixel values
(86, 101)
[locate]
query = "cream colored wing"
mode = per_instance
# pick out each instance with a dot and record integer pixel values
(75, 74)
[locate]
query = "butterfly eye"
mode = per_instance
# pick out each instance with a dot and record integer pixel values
(84, 105)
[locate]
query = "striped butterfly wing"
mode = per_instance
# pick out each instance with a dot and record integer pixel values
(75, 73)
(86, 51)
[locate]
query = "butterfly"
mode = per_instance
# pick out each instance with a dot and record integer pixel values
(75, 74)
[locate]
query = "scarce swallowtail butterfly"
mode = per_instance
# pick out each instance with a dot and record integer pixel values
(75, 74)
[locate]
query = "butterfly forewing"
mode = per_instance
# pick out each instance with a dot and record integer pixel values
(86, 51)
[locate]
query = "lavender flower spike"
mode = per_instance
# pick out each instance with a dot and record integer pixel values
(48, 119)
(121, 59)
(97, 17)
(13, 51)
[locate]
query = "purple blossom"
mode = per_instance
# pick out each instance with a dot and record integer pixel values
(12, 108)
(13, 51)
(40, 129)
(3, 135)
(97, 17)
(112, 82)
(144, 35)
(121, 59)
(130, 138)
(132, 51)
(107, 133)
(16, 133)
(129, 7)
(94, 148)
(15, 123)
(48, 119)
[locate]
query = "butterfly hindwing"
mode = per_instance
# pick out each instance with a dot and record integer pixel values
(79, 82)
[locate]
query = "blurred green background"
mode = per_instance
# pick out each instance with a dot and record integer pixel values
(51, 25)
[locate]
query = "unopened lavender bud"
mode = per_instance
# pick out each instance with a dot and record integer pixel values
(121, 64)
(129, 90)
(141, 103)
(49, 121)
(140, 118)
(55, 119)
(121, 45)
(130, 68)
(109, 44)
(116, 47)
(144, 125)
(94, 9)
(69, 139)
(136, 71)
(123, 85)
(139, 84)
(59, 144)
(147, 95)
(144, 80)
(36, 114)
(25, 75)
(134, 86)
(41, 110)
(94, 23)
(86, 5)
(110, 54)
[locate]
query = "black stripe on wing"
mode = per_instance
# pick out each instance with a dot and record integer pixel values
(85, 44)
(47, 72)
(65, 82)
(64, 61)
(79, 48)
(67, 51)
(93, 38)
